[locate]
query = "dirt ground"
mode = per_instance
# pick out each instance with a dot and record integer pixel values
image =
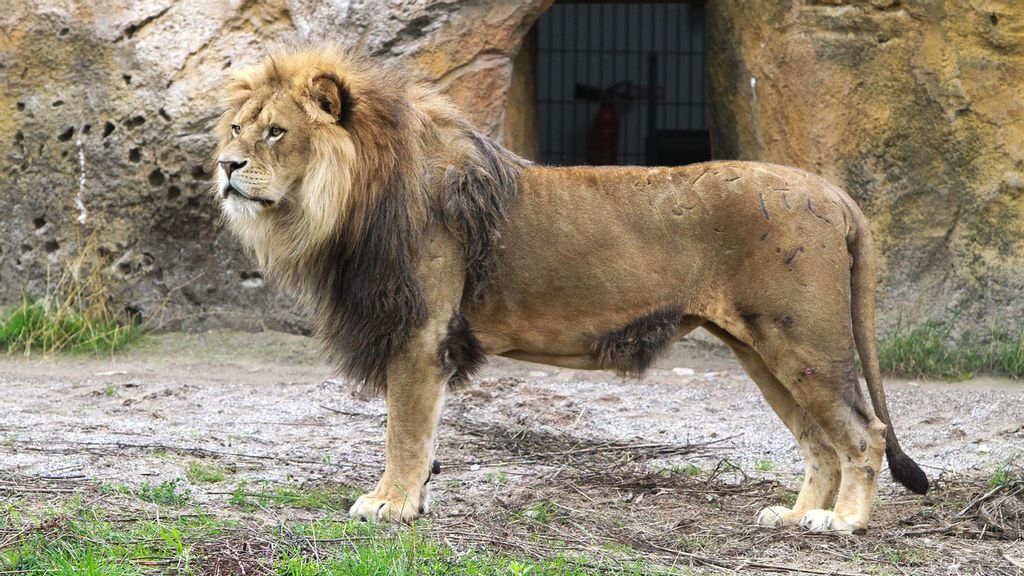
(673, 467)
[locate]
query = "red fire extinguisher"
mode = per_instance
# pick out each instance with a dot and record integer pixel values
(604, 130)
(604, 136)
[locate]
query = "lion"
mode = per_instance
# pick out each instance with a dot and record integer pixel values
(421, 246)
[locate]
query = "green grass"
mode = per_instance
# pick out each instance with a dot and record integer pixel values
(85, 542)
(496, 478)
(382, 550)
(203, 473)
(788, 497)
(903, 556)
(77, 313)
(540, 512)
(79, 540)
(930, 350)
(696, 543)
(36, 326)
(764, 465)
(329, 499)
(685, 469)
(1007, 474)
(165, 494)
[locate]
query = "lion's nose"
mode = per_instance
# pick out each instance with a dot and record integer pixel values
(230, 166)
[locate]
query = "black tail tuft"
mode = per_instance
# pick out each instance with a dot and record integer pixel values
(906, 471)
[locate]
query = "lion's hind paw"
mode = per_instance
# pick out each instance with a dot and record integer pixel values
(826, 521)
(776, 516)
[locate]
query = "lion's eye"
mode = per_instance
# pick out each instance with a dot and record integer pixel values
(275, 132)
(235, 129)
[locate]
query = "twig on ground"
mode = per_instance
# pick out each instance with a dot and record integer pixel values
(191, 450)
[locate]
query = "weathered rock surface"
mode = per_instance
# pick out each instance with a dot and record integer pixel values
(106, 107)
(105, 115)
(916, 109)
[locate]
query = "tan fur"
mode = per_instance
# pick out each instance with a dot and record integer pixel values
(761, 255)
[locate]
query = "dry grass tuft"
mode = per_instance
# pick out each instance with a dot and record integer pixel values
(76, 314)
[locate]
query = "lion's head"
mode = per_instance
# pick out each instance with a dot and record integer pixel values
(312, 140)
(269, 140)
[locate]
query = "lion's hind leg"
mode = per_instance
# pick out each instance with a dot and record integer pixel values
(821, 465)
(826, 388)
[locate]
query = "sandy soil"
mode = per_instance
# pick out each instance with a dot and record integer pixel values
(595, 448)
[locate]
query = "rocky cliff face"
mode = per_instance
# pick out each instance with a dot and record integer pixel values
(915, 108)
(105, 115)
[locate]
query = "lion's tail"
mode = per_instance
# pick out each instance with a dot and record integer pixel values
(862, 283)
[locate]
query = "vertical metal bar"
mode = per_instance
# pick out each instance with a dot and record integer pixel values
(628, 144)
(666, 101)
(594, 44)
(704, 68)
(548, 90)
(562, 106)
(652, 108)
(577, 72)
(691, 56)
(638, 126)
(677, 69)
(586, 63)
(613, 62)
(581, 62)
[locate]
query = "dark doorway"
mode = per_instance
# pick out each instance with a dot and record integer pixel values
(622, 83)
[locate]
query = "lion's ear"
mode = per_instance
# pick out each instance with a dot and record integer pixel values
(332, 96)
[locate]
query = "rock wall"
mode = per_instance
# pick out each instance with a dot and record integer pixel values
(105, 115)
(105, 110)
(917, 109)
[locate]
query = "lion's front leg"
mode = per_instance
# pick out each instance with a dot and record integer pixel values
(415, 395)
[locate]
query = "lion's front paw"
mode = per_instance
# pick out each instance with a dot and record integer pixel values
(826, 521)
(373, 507)
(777, 516)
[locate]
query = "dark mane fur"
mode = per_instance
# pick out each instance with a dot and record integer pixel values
(370, 302)
(475, 204)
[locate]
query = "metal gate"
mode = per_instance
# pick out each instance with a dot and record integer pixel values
(622, 83)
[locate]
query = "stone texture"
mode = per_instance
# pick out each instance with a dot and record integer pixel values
(915, 108)
(521, 133)
(110, 103)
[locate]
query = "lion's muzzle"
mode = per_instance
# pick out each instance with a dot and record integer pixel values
(235, 186)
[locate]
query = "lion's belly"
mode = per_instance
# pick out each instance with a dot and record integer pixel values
(587, 250)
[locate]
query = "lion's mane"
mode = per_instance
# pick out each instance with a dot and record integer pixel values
(398, 159)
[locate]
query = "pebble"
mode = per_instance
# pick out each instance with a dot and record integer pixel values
(683, 371)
